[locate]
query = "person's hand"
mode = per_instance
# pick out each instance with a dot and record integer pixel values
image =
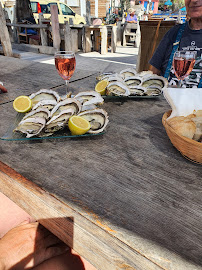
(28, 245)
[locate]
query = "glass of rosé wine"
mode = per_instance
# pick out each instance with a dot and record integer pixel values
(183, 63)
(65, 64)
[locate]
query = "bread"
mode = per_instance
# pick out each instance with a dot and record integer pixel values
(189, 126)
(183, 125)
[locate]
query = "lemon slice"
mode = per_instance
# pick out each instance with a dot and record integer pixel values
(22, 104)
(78, 125)
(101, 87)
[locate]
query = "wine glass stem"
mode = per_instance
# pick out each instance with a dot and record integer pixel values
(180, 84)
(67, 86)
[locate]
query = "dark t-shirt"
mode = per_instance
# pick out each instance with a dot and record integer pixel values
(191, 40)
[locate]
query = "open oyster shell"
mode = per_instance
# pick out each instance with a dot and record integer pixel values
(145, 73)
(98, 119)
(117, 89)
(114, 78)
(137, 90)
(89, 97)
(103, 76)
(39, 112)
(133, 81)
(44, 94)
(128, 73)
(48, 104)
(153, 90)
(59, 121)
(154, 80)
(31, 126)
(66, 104)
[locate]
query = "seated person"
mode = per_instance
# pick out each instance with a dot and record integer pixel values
(181, 37)
(131, 17)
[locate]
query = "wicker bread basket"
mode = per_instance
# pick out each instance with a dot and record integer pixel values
(189, 148)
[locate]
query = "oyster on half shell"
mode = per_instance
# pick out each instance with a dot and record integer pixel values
(117, 89)
(39, 112)
(66, 104)
(137, 90)
(128, 73)
(31, 126)
(98, 119)
(153, 90)
(133, 81)
(48, 104)
(103, 76)
(44, 94)
(89, 97)
(154, 80)
(59, 121)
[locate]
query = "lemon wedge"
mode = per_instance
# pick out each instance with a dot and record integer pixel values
(22, 104)
(101, 87)
(78, 125)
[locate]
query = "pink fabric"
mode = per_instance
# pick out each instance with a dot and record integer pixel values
(11, 215)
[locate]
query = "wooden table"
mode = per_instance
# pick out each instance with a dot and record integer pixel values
(123, 200)
(100, 35)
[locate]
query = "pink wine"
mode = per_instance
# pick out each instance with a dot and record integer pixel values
(183, 67)
(65, 67)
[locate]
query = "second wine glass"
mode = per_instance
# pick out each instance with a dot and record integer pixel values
(65, 63)
(183, 63)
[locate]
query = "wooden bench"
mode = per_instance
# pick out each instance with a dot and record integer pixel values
(18, 26)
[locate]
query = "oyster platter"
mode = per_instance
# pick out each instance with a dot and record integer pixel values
(50, 114)
(129, 83)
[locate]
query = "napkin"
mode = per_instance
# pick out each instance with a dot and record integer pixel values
(183, 101)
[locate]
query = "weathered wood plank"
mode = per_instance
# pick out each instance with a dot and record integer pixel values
(55, 27)
(43, 33)
(4, 35)
(73, 228)
(71, 38)
(86, 40)
(68, 44)
(113, 39)
(28, 26)
(103, 32)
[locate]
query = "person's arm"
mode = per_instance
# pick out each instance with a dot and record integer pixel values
(155, 70)
(27, 246)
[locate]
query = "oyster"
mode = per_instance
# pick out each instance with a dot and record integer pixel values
(40, 112)
(133, 81)
(128, 73)
(31, 126)
(98, 119)
(59, 121)
(117, 89)
(66, 104)
(44, 94)
(137, 90)
(88, 107)
(115, 77)
(145, 73)
(103, 76)
(48, 104)
(154, 80)
(153, 90)
(89, 97)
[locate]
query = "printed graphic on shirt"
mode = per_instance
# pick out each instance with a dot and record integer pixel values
(193, 79)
